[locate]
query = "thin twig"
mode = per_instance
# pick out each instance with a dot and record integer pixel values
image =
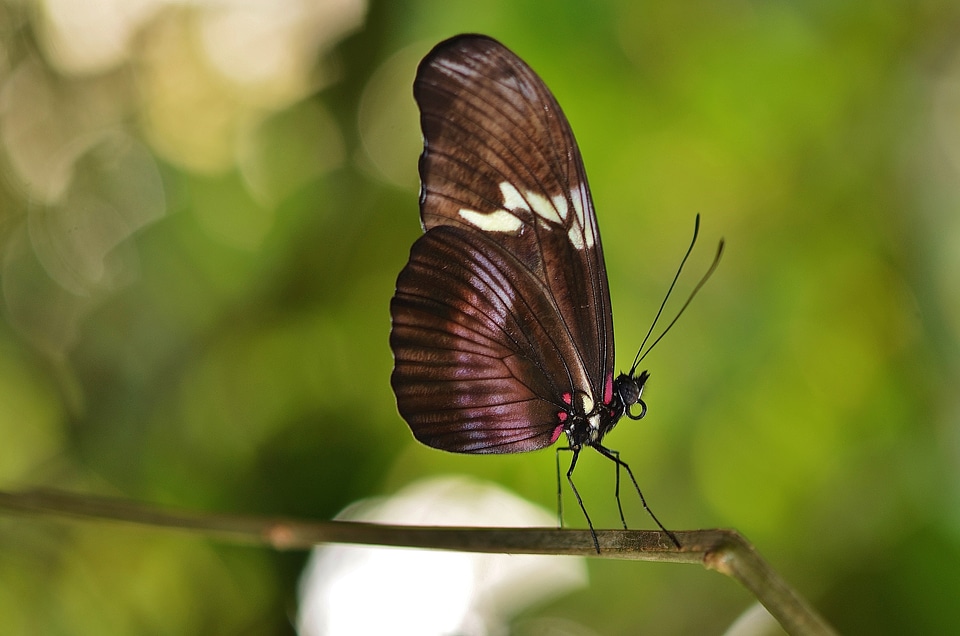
(725, 551)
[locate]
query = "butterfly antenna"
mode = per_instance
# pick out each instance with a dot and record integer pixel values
(703, 280)
(638, 357)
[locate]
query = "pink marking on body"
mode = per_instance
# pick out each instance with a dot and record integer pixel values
(608, 389)
(556, 434)
(562, 416)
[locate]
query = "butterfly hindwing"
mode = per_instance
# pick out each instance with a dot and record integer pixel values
(470, 331)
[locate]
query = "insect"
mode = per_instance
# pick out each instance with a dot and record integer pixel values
(502, 331)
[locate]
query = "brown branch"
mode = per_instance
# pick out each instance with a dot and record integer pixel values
(725, 551)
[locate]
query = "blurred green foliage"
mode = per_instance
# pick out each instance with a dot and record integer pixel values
(197, 253)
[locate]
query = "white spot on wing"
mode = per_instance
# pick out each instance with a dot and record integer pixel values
(560, 203)
(576, 195)
(580, 224)
(551, 212)
(512, 199)
(496, 221)
(544, 208)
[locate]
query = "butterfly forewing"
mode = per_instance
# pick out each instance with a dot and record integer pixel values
(503, 312)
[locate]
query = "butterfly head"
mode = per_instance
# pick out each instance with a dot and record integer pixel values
(629, 389)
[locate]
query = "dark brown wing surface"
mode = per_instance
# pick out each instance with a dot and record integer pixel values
(469, 372)
(503, 311)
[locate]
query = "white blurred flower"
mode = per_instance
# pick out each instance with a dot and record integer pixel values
(360, 590)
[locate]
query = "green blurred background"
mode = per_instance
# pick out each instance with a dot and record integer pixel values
(204, 206)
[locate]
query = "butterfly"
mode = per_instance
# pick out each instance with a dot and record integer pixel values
(502, 330)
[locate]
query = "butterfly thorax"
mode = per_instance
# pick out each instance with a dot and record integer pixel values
(586, 423)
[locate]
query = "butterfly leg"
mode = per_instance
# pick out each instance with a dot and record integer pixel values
(576, 493)
(559, 489)
(614, 456)
(617, 462)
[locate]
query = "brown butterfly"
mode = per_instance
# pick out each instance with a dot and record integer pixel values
(502, 328)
